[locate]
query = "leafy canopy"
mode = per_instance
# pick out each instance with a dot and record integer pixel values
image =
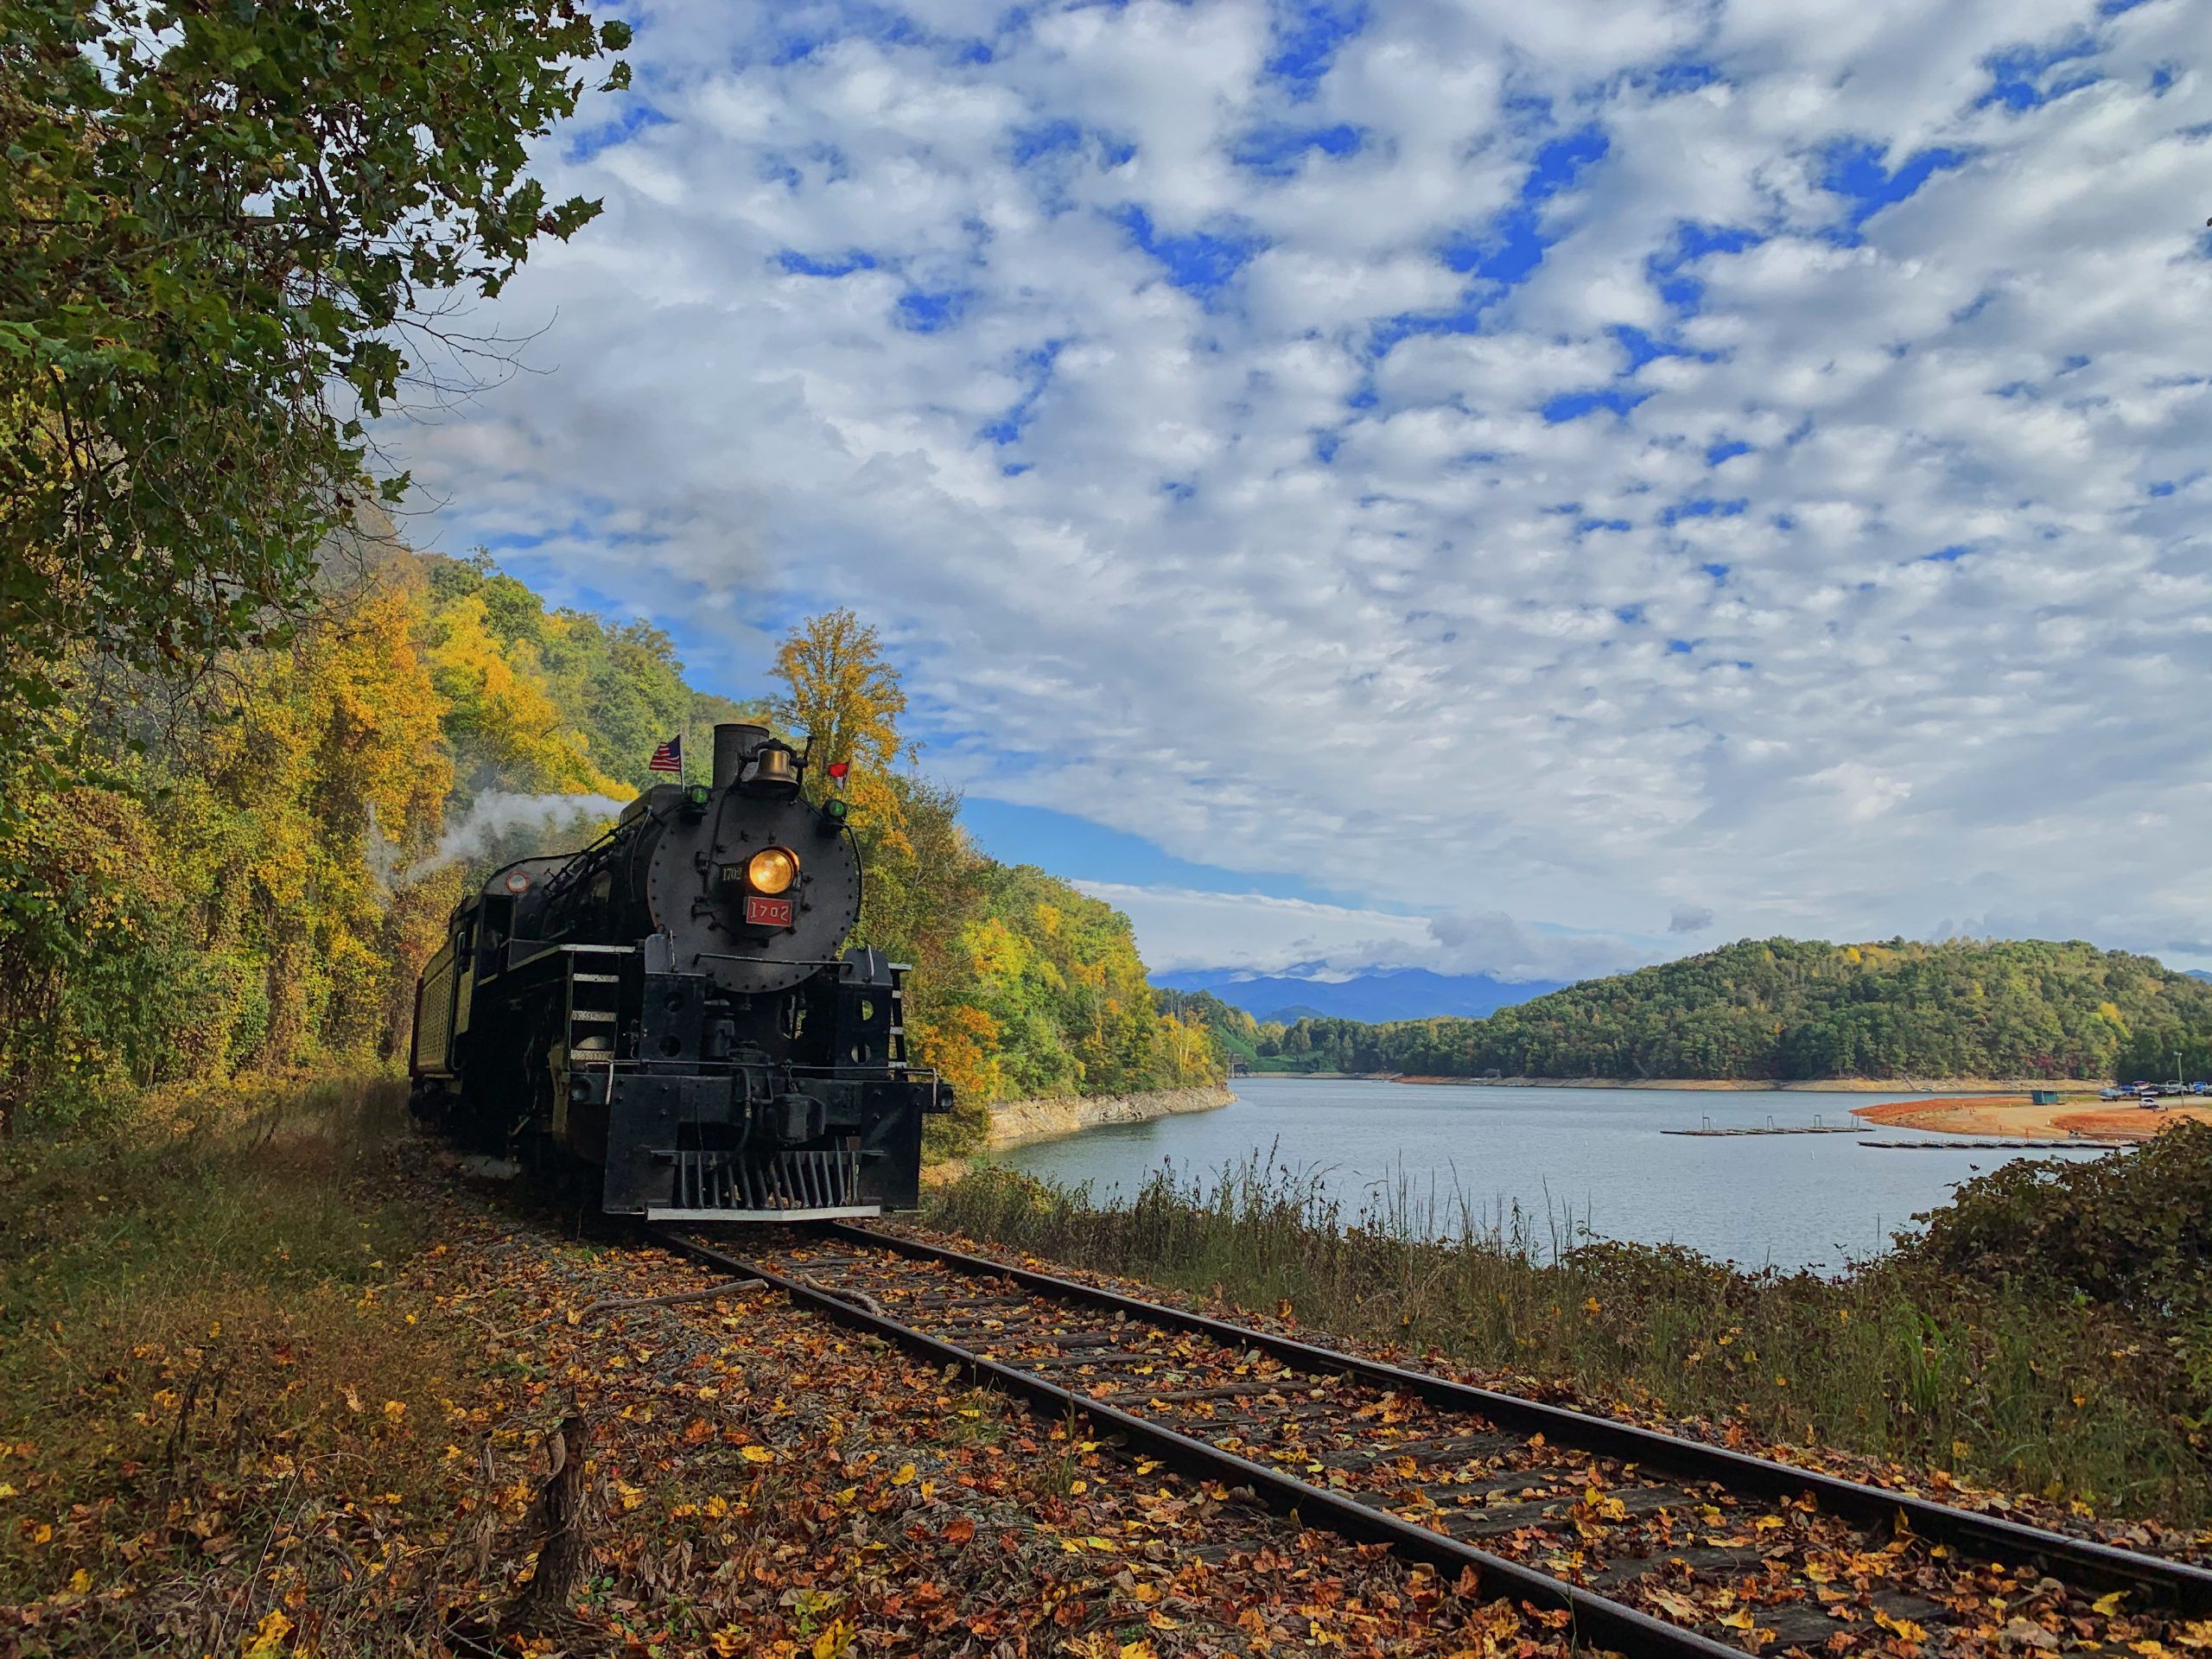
(227, 231)
(1795, 1008)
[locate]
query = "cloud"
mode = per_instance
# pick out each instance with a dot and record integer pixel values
(1689, 919)
(1180, 928)
(1507, 459)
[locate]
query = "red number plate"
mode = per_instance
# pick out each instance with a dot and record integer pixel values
(766, 912)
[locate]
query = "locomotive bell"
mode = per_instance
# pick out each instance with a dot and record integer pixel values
(775, 771)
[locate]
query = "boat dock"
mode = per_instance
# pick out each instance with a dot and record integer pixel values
(1815, 1126)
(2045, 1145)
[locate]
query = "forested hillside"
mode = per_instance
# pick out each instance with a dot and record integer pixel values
(1788, 1009)
(243, 869)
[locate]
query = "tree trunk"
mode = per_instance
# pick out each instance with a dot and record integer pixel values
(558, 1519)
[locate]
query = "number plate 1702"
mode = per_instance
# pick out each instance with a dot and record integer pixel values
(766, 912)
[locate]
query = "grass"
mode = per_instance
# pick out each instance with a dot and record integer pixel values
(2001, 1378)
(204, 1372)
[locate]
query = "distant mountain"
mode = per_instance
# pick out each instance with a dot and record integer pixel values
(1385, 994)
(2198, 972)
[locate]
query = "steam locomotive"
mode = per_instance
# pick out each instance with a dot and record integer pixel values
(669, 1009)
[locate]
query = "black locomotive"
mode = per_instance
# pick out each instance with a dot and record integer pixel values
(670, 1007)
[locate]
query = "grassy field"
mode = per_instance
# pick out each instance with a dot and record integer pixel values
(2050, 1334)
(203, 1374)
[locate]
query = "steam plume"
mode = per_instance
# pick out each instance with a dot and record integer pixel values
(497, 813)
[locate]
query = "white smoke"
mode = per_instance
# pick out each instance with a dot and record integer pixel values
(382, 855)
(497, 813)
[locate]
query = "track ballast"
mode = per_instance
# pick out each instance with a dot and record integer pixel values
(1653, 1543)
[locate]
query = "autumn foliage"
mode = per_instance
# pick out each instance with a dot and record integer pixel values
(243, 870)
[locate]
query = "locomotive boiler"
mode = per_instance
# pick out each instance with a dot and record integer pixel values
(670, 1010)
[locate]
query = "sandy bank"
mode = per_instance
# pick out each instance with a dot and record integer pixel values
(1018, 1122)
(2016, 1117)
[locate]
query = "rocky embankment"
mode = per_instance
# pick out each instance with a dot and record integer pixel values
(1020, 1120)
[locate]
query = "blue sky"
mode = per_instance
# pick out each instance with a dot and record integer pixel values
(1445, 483)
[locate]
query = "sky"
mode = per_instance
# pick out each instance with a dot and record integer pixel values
(1497, 487)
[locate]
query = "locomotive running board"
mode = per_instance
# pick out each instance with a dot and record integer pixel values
(838, 1212)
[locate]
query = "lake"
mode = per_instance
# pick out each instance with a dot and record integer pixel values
(1814, 1201)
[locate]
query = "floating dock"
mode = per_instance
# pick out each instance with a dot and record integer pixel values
(1815, 1126)
(2047, 1145)
(1789, 1129)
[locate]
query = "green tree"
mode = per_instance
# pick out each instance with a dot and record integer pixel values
(226, 232)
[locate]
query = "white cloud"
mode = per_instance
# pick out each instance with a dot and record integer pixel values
(1275, 575)
(1180, 928)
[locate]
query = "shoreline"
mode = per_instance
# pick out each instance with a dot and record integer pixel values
(2017, 1118)
(1945, 1087)
(1021, 1122)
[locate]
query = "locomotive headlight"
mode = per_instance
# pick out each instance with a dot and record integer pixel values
(771, 870)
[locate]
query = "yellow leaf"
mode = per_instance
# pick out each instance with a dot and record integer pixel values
(268, 1638)
(716, 1507)
(80, 1581)
(905, 1475)
(1738, 1620)
(832, 1642)
(394, 1410)
(756, 1455)
(1904, 1629)
(2109, 1604)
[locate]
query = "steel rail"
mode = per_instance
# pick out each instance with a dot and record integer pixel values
(1988, 1538)
(1599, 1620)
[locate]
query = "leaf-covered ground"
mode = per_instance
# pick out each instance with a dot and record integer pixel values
(756, 1482)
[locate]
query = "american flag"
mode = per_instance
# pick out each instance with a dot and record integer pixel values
(667, 758)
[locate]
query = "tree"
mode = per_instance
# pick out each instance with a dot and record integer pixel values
(227, 233)
(843, 692)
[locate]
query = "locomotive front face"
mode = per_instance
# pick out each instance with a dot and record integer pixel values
(673, 1004)
(752, 891)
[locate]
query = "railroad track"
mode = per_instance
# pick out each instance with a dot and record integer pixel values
(1654, 1544)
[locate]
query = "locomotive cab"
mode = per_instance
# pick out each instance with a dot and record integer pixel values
(673, 1005)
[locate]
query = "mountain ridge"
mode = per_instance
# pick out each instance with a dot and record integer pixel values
(1379, 996)
(1790, 1010)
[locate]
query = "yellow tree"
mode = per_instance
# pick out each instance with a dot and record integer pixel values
(843, 692)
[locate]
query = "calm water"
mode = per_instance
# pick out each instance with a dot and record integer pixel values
(1812, 1200)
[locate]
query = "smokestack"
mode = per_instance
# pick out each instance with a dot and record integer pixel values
(734, 745)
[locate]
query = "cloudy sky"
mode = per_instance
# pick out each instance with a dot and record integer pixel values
(1467, 483)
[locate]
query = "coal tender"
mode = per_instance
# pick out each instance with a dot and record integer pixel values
(669, 1014)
